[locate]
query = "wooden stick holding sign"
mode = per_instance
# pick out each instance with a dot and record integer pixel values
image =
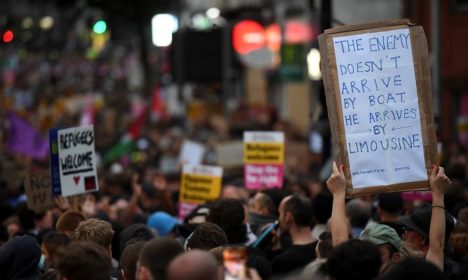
(377, 84)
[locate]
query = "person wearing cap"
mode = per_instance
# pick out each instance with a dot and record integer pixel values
(429, 239)
(428, 228)
(387, 239)
(162, 223)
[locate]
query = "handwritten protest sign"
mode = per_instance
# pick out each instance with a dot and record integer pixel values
(377, 85)
(73, 160)
(38, 193)
(263, 159)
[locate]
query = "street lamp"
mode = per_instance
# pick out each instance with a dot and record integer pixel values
(162, 27)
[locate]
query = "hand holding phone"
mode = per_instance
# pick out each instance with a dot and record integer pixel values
(235, 263)
(266, 233)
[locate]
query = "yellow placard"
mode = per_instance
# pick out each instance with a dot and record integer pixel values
(196, 188)
(263, 153)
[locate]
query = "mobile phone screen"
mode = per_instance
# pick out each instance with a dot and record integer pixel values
(264, 234)
(235, 260)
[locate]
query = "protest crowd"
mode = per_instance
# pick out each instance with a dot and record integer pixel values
(133, 227)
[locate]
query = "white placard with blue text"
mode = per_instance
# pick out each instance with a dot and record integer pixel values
(77, 160)
(380, 108)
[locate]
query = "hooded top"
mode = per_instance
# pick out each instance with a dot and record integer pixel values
(19, 258)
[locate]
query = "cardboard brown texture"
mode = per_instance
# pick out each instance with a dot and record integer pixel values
(297, 95)
(39, 192)
(333, 99)
(256, 87)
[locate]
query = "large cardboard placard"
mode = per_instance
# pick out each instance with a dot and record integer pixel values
(377, 84)
(263, 159)
(38, 192)
(73, 160)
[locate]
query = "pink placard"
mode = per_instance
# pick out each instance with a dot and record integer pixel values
(417, 195)
(263, 176)
(185, 209)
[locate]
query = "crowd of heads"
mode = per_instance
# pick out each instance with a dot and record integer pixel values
(285, 235)
(388, 238)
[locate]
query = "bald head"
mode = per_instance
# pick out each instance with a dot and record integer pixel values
(194, 265)
(262, 204)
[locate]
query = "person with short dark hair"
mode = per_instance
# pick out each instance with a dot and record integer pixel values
(206, 237)
(296, 217)
(414, 269)
(129, 258)
(13, 227)
(359, 213)
(34, 222)
(85, 260)
(262, 211)
(354, 260)
(389, 209)
(155, 258)
(228, 214)
(52, 246)
(135, 232)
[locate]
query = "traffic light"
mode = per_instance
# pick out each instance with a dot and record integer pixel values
(8, 36)
(100, 27)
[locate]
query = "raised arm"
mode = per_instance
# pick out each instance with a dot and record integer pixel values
(132, 209)
(439, 184)
(338, 223)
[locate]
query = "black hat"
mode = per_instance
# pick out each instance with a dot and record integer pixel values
(420, 221)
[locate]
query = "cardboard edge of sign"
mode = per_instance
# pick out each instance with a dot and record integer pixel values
(424, 90)
(49, 203)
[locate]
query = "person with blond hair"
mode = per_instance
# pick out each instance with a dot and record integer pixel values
(97, 231)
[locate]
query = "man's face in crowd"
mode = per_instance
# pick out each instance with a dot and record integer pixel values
(283, 222)
(415, 239)
(46, 222)
(255, 206)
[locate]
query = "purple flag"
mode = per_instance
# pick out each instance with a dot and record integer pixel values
(24, 139)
